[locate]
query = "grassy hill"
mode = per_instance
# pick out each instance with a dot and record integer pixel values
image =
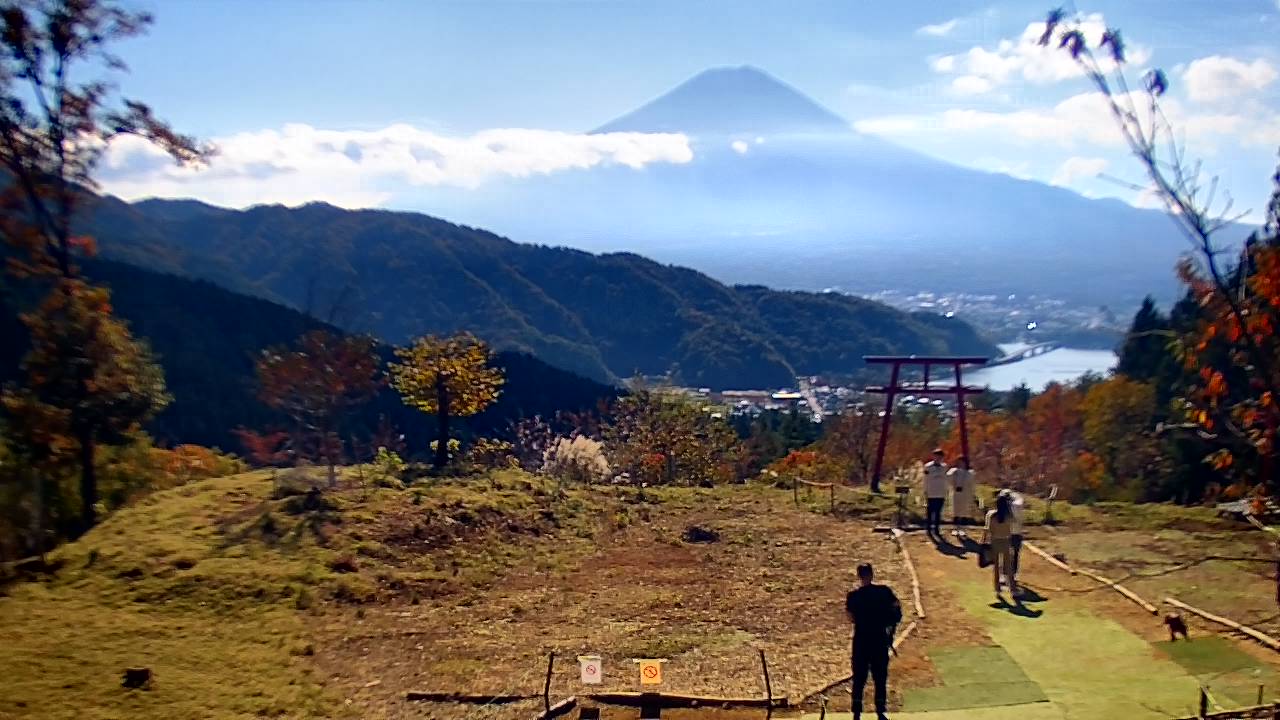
(248, 605)
(245, 605)
(606, 316)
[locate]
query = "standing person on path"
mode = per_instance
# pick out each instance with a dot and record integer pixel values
(875, 613)
(935, 493)
(963, 499)
(998, 537)
(1018, 507)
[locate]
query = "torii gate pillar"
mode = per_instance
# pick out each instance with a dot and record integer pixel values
(896, 387)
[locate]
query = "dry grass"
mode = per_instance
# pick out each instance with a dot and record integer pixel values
(245, 605)
(774, 581)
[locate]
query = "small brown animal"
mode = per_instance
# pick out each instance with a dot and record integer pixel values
(1177, 626)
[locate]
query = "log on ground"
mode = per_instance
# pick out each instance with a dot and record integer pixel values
(666, 700)
(459, 697)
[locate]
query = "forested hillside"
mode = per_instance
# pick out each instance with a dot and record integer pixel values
(398, 275)
(207, 339)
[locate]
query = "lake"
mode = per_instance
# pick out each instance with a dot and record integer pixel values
(1061, 365)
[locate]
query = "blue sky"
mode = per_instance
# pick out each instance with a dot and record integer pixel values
(267, 80)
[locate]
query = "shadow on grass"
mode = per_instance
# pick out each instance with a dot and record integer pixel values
(1030, 595)
(1017, 608)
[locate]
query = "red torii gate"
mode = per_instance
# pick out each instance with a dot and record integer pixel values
(894, 388)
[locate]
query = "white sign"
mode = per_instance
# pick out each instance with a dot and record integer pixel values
(591, 669)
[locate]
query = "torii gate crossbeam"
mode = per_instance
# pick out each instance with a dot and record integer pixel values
(895, 387)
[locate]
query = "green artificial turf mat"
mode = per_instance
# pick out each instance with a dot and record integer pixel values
(1207, 655)
(974, 677)
(1089, 665)
(984, 664)
(1231, 674)
(1037, 711)
(972, 695)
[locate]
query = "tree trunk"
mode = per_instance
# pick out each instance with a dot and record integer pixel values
(88, 482)
(442, 424)
(37, 514)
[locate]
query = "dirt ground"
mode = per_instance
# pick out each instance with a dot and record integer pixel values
(774, 581)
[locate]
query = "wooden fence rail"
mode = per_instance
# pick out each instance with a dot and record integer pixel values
(1263, 638)
(1131, 595)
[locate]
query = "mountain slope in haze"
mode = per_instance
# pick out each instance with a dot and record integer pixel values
(399, 275)
(722, 100)
(782, 192)
(207, 339)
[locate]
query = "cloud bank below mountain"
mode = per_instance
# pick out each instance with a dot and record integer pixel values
(299, 163)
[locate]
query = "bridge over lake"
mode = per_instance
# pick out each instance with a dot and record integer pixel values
(1025, 353)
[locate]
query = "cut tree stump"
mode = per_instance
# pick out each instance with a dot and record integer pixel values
(137, 678)
(1263, 638)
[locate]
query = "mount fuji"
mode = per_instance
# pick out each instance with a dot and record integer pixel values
(784, 192)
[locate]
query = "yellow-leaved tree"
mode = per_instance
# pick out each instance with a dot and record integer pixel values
(446, 377)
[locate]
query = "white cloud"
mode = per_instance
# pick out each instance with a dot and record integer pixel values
(970, 85)
(1074, 168)
(1025, 59)
(942, 29)
(1079, 119)
(1214, 78)
(943, 64)
(740, 146)
(299, 163)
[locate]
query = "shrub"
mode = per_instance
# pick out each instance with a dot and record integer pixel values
(297, 481)
(578, 459)
(387, 468)
(487, 454)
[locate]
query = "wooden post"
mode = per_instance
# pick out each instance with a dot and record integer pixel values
(795, 491)
(1204, 702)
(546, 687)
(1259, 693)
(960, 415)
(768, 687)
(884, 428)
(832, 488)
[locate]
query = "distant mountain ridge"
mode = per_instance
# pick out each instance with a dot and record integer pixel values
(606, 317)
(207, 339)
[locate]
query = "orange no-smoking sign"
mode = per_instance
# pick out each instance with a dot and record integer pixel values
(650, 672)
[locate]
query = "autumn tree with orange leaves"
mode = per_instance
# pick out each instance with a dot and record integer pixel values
(84, 372)
(1233, 350)
(317, 381)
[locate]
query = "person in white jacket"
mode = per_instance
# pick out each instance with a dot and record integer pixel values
(963, 492)
(935, 493)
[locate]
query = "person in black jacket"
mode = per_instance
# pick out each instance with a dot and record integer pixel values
(875, 613)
